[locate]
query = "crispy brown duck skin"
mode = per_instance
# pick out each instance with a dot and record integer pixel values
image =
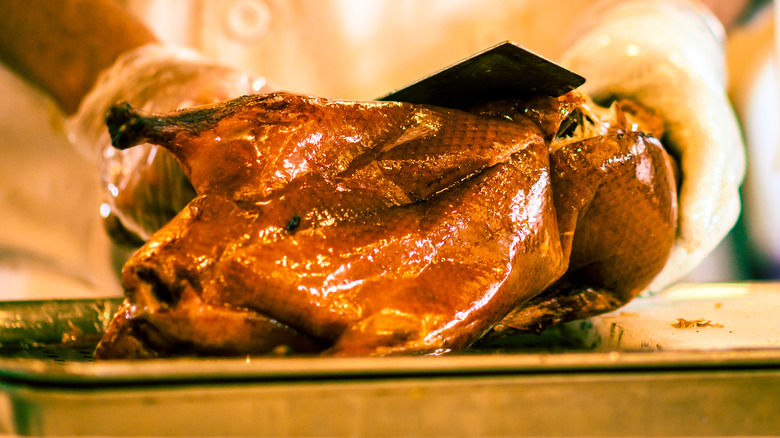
(383, 228)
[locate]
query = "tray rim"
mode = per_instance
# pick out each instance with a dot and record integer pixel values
(251, 369)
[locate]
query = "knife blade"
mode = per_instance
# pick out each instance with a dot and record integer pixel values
(502, 72)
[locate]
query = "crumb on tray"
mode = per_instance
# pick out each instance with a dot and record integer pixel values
(683, 323)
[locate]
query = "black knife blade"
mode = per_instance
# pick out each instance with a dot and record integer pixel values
(502, 72)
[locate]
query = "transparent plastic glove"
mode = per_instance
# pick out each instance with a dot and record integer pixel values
(668, 56)
(144, 186)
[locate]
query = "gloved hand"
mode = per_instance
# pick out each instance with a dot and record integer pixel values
(667, 55)
(145, 187)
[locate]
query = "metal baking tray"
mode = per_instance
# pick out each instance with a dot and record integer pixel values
(545, 385)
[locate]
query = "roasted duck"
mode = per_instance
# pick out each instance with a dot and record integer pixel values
(375, 228)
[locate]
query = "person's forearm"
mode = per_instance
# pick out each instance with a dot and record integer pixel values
(61, 46)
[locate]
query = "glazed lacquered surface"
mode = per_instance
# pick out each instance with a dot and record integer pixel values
(384, 228)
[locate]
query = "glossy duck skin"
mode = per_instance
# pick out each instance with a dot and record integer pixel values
(616, 201)
(378, 228)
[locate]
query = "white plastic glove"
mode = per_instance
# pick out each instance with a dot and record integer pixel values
(144, 186)
(668, 56)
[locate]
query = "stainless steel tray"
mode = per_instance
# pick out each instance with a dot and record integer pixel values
(528, 386)
(56, 330)
(560, 394)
